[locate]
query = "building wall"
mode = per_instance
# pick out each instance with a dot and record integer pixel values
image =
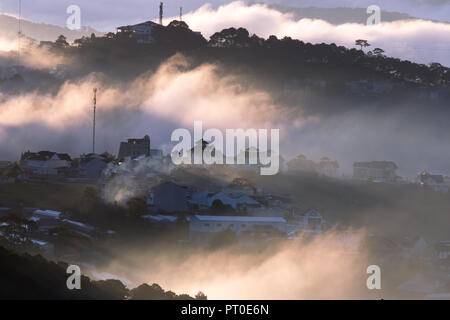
(205, 230)
(373, 173)
(170, 197)
(134, 148)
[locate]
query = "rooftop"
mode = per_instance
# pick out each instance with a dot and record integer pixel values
(240, 219)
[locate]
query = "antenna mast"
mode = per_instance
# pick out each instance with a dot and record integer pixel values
(19, 35)
(161, 9)
(93, 128)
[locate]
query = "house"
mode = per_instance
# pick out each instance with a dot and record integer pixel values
(143, 33)
(203, 229)
(134, 148)
(92, 165)
(436, 182)
(328, 168)
(236, 200)
(46, 219)
(4, 165)
(170, 197)
(156, 154)
(375, 171)
(442, 250)
(44, 163)
(301, 164)
(311, 222)
(160, 220)
(241, 185)
(149, 32)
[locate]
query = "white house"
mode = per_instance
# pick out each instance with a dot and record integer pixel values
(328, 168)
(377, 171)
(44, 163)
(310, 222)
(92, 165)
(204, 228)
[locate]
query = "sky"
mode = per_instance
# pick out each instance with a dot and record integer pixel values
(105, 15)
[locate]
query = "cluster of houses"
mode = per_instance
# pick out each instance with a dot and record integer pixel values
(60, 166)
(48, 165)
(210, 209)
(239, 207)
(368, 88)
(49, 232)
(385, 171)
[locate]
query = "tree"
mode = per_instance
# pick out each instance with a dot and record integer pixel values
(230, 38)
(61, 42)
(219, 208)
(362, 43)
(89, 200)
(378, 52)
(201, 296)
(136, 206)
(14, 171)
(18, 230)
(108, 157)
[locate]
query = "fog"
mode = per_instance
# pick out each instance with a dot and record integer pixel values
(153, 104)
(105, 16)
(324, 268)
(416, 40)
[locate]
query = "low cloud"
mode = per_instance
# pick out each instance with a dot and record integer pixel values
(416, 40)
(175, 96)
(320, 269)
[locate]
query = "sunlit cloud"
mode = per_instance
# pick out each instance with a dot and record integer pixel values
(417, 40)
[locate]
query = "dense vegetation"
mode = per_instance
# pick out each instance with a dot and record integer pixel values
(235, 48)
(32, 277)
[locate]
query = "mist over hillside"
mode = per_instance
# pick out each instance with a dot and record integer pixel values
(88, 173)
(331, 101)
(39, 31)
(338, 16)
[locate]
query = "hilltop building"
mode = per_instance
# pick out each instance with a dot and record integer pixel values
(134, 148)
(142, 32)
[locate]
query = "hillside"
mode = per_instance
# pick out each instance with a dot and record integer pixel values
(23, 276)
(40, 31)
(341, 15)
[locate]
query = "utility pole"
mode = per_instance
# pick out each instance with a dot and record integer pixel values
(161, 9)
(93, 128)
(181, 13)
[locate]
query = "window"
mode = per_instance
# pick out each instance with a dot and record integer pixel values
(206, 224)
(243, 225)
(219, 225)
